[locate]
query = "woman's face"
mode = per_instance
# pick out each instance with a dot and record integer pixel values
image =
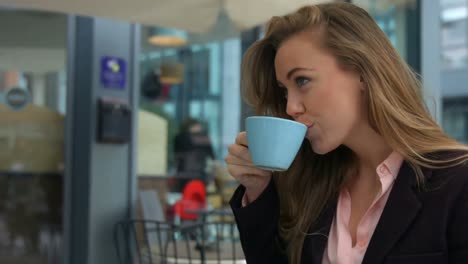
(320, 94)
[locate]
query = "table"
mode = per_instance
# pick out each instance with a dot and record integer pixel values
(203, 213)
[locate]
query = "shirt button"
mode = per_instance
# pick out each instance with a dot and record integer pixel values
(382, 169)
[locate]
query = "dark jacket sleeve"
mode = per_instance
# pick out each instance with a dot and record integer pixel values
(458, 226)
(258, 226)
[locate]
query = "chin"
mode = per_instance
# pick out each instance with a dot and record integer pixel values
(318, 148)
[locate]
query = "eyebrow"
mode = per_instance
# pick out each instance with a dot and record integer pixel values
(291, 72)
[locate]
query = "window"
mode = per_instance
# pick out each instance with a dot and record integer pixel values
(454, 30)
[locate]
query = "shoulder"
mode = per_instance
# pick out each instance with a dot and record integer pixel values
(456, 170)
(452, 193)
(453, 178)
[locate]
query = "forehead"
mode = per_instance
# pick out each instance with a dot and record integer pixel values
(301, 48)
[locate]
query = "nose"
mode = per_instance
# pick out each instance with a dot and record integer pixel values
(294, 106)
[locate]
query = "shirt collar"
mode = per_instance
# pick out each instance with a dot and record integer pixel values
(390, 166)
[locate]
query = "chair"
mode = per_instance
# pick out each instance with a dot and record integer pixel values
(179, 244)
(173, 244)
(151, 206)
(152, 210)
(193, 197)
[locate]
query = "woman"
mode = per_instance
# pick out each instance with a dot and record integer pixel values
(376, 179)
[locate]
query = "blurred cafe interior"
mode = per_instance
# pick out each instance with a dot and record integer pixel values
(109, 113)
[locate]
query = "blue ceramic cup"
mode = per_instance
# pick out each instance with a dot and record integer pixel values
(273, 142)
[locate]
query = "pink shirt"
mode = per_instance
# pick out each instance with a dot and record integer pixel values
(340, 248)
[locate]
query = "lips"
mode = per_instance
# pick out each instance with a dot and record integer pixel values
(308, 125)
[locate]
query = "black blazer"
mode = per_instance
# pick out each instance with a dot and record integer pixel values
(416, 226)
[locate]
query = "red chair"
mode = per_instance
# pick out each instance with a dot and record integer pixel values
(193, 198)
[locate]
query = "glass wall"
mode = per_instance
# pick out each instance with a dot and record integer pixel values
(190, 110)
(455, 121)
(454, 33)
(454, 56)
(32, 111)
(400, 20)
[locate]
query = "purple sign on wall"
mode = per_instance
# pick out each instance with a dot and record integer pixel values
(113, 73)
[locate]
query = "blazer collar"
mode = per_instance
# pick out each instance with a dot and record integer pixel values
(400, 210)
(317, 237)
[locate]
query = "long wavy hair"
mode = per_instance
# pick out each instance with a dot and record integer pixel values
(394, 102)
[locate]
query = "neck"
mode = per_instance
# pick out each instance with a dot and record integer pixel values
(371, 150)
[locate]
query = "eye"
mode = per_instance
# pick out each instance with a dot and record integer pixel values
(301, 81)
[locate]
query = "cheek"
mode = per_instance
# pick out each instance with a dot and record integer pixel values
(344, 100)
(340, 109)
(319, 99)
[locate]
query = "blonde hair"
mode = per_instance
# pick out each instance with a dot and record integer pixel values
(395, 107)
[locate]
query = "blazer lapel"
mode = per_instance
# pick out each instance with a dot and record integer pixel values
(316, 240)
(399, 212)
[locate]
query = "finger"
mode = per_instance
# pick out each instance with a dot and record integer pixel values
(241, 139)
(251, 180)
(235, 160)
(240, 151)
(241, 170)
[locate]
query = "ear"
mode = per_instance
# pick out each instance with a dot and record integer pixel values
(363, 84)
